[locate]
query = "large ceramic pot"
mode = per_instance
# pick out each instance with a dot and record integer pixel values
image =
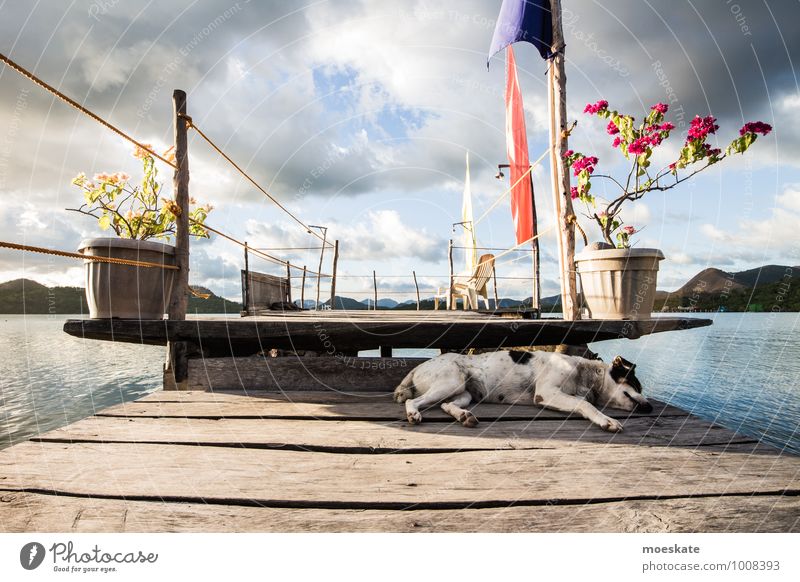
(123, 291)
(619, 283)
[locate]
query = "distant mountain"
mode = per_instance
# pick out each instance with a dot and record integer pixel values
(27, 296)
(346, 303)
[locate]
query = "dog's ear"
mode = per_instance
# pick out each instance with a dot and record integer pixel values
(617, 362)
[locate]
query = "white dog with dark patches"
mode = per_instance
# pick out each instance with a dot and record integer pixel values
(556, 381)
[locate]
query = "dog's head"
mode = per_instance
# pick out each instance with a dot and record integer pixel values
(622, 388)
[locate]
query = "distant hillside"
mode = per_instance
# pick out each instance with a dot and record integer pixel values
(27, 296)
(761, 289)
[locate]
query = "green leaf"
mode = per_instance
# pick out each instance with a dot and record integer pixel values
(105, 222)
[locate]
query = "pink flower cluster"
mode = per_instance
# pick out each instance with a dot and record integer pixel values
(591, 109)
(612, 128)
(585, 163)
(700, 127)
(573, 192)
(629, 230)
(616, 142)
(755, 127)
(662, 108)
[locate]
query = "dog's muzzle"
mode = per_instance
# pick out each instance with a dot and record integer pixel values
(639, 406)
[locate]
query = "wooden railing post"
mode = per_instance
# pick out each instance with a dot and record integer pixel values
(416, 286)
(176, 372)
(450, 285)
(333, 275)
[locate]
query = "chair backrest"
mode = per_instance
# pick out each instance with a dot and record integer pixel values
(483, 272)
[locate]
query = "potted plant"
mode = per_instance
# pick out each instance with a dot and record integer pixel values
(136, 214)
(618, 281)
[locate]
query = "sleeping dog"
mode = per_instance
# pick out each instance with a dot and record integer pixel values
(556, 381)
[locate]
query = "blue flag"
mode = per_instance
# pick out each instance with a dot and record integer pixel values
(524, 20)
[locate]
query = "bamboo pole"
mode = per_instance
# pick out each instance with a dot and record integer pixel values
(536, 296)
(416, 286)
(557, 82)
(333, 279)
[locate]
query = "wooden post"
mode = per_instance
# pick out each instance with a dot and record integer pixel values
(319, 269)
(450, 287)
(416, 286)
(176, 370)
(288, 282)
(557, 84)
(303, 290)
(536, 297)
(333, 275)
(246, 290)
(494, 284)
(375, 291)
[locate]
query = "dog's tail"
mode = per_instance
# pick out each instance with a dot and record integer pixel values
(405, 391)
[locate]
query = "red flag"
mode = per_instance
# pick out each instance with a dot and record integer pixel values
(517, 146)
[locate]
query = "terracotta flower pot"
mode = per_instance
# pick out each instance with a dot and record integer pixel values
(619, 283)
(123, 291)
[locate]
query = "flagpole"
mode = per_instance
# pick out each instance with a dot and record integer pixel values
(536, 298)
(557, 85)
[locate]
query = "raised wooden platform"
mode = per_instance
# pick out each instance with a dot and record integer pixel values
(351, 331)
(324, 461)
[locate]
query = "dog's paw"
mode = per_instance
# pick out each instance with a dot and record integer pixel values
(611, 425)
(414, 417)
(468, 419)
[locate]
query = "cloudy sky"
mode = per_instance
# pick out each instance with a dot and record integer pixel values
(357, 115)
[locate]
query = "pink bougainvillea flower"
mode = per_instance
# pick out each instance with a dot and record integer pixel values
(612, 128)
(568, 153)
(660, 107)
(142, 153)
(573, 192)
(592, 108)
(755, 127)
(700, 127)
(667, 126)
(616, 142)
(639, 146)
(629, 230)
(585, 163)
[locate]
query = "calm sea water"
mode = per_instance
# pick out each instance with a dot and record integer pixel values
(743, 372)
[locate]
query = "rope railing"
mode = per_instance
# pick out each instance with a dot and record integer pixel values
(67, 254)
(307, 228)
(257, 253)
(71, 102)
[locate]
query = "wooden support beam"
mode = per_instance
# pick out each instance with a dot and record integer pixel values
(303, 291)
(176, 368)
(450, 285)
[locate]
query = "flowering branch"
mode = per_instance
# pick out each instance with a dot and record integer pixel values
(637, 143)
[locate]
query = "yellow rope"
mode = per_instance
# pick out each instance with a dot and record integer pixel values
(25, 73)
(572, 219)
(191, 124)
(514, 185)
(97, 259)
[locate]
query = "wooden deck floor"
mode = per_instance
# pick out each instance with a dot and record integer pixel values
(321, 461)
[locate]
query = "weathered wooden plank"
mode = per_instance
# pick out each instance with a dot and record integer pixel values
(250, 335)
(30, 512)
(294, 373)
(443, 480)
(392, 437)
(377, 408)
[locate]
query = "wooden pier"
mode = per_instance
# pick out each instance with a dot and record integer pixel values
(334, 462)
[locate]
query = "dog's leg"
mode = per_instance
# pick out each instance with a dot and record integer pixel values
(455, 408)
(440, 391)
(557, 400)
